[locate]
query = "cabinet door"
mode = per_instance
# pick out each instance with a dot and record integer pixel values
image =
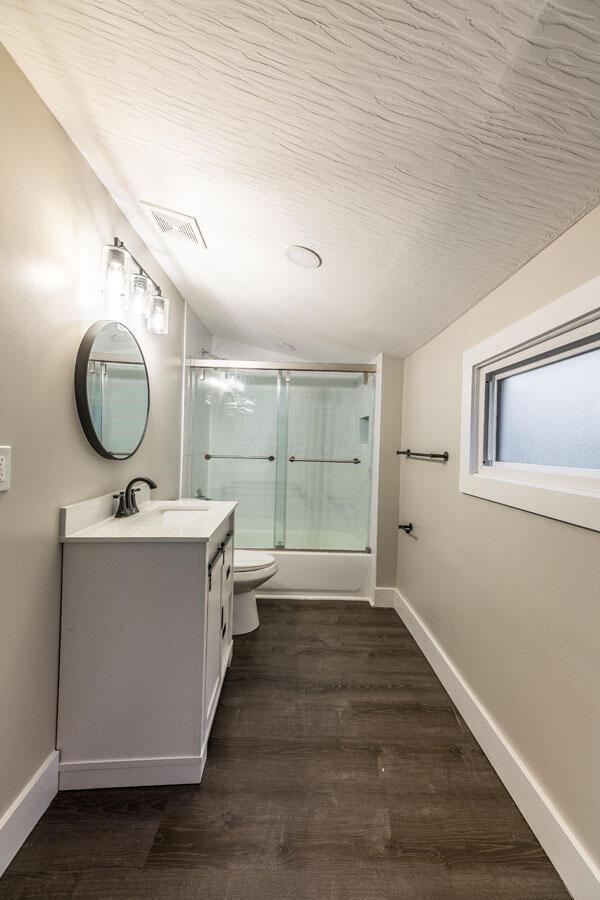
(212, 674)
(227, 598)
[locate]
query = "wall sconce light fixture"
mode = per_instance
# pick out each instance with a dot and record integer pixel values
(114, 266)
(158, 317)
(139, 294)
(138, 298)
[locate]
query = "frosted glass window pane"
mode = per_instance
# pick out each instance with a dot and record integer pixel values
(551, 415)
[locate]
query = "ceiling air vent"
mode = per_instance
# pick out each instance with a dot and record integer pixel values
(175, 224)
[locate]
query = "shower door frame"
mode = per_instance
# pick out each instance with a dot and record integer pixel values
(288, 366)
(281, 457)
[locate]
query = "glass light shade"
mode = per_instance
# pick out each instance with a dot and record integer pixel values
(158, 317)
(114, 263)
(138, 300)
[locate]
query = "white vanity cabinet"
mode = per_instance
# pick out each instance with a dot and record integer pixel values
(145, 643)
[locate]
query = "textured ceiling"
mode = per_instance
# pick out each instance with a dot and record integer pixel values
(425, 149)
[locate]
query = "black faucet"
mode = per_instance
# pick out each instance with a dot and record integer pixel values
(126, 498)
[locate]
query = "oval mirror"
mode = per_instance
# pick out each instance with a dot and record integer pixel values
(112, 390)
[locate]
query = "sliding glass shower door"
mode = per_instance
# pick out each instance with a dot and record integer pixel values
(232, 435)
(328, 473)
(293, 448)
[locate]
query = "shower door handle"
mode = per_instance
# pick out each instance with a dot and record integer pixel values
(353, 462)
(227, 456)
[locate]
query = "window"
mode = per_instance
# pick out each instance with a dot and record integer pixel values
(550, 414)
(531, 412)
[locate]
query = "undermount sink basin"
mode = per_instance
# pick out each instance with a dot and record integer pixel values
(168, 518)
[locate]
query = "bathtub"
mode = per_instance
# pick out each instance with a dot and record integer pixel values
(321, 575)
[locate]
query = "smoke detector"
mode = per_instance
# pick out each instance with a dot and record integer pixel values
(303, 256)
(174, 224)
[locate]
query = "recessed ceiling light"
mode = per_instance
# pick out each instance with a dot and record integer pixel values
(285, 346)
(303, 256)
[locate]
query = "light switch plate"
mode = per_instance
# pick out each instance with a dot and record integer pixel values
(5, 454)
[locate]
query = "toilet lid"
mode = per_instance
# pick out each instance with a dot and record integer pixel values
(249, 560)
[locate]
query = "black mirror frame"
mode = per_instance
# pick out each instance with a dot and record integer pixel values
(81, 396)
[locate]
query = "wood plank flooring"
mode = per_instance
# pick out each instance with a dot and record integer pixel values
(338, 769)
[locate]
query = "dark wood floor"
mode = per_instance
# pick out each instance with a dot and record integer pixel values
(338, 769)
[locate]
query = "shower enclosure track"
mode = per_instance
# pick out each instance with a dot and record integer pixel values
(287, 366)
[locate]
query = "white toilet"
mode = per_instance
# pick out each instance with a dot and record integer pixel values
(251, 568)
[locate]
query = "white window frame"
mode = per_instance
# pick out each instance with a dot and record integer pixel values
(561, 329)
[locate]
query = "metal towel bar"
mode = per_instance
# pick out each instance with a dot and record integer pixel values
(413, 453)
(227, 456)
(354, 461)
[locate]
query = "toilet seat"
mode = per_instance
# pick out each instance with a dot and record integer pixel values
(251, 560)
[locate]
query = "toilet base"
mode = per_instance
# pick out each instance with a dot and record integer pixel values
(245, 613)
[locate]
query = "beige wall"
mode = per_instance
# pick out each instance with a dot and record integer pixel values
(513, 598)
(54, 217)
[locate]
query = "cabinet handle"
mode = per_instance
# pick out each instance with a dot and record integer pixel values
(212, 564)
(228, 572)
(213, 561)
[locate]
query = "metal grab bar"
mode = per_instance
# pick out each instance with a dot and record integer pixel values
(354, 461)
(412, 453)
(226, 456)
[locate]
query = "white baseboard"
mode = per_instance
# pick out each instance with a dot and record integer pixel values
(28, 808)
(574, 865)
(384, 597)
(74, 776)
(308, 595)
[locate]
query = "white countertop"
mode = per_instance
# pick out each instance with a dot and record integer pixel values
(150, 525)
